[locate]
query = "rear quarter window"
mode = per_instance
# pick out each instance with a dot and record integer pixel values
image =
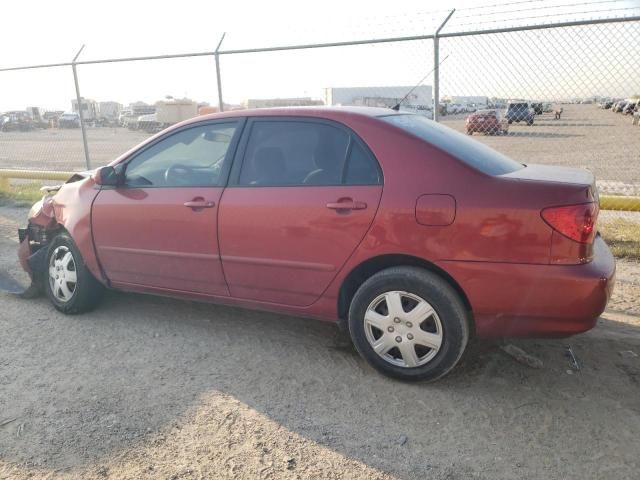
(471, 152)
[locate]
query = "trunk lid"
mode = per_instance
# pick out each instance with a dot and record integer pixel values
(553, 174)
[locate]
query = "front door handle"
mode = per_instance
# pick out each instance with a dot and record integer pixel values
(346, 204)
(199, 203)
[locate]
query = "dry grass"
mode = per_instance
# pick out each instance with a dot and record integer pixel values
(622, 236)
(21, 195)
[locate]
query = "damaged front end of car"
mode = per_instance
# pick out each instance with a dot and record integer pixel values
(34, 239)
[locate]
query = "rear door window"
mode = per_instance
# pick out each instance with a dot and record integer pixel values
(305, 152)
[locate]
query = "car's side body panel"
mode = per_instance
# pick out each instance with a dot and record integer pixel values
(283, 245)
(147, 236)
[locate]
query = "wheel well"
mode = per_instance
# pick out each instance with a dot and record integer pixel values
(374, 265)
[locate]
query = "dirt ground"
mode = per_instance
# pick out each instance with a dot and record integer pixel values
(586, 136)
(148, 387)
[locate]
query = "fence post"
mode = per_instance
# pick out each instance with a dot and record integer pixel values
(436, 67)
(218, 76)
(80, 114)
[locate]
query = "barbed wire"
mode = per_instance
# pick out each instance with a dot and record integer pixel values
(573, 15)
(557, 6)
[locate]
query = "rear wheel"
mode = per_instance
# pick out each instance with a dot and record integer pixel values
(70, 285)
(409, 323)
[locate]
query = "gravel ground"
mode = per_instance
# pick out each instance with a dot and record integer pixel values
(147, 387)
(585, 137)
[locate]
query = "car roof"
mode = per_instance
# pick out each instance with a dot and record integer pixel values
(333, 112)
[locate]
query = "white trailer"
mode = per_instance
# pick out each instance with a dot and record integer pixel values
(167, 113)
(110, 110)
(89, 109)
(173, 111)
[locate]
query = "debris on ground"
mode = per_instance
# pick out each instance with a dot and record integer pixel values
(572, 358)
(628, 354)
(7, 421)
(402, 439)
(521, 356)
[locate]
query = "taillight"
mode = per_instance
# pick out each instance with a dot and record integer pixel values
(577, 222)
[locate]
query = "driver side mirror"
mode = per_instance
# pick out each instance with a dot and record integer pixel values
(108, 176)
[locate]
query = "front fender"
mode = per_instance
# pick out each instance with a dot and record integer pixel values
(72, 211)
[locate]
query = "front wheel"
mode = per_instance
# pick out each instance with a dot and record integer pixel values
(70, 285)
(409, 323)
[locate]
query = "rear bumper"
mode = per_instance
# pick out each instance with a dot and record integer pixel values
(537, 300)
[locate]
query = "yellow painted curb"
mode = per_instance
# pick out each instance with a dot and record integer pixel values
(620, 203)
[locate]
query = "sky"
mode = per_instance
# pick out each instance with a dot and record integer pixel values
(577, 62)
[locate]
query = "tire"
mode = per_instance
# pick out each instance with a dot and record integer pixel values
(432, 312)
(64, 262)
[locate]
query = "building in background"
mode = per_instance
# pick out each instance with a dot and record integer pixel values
(280, 102)
(110, 110)
(419, 100)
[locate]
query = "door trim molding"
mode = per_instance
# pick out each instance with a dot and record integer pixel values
(163, 253)
(271, 262)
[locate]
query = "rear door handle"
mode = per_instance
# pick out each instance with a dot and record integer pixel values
(346, 204)
(197, 204)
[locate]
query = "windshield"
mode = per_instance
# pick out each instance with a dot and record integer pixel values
(471, 152)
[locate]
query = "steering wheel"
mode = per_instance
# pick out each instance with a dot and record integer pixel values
(178, 175)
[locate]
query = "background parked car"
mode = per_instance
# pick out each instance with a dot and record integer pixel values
(455, 108)
(16, 121)
(630, 108)
(69, 120)
(520, 112)
(490, 122)
(619, 106)
(538, 109)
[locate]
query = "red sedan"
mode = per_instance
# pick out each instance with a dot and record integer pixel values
(490, 122)
(413, 236)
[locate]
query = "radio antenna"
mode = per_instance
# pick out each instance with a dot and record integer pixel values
(396, 107)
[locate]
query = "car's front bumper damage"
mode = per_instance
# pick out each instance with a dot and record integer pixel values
(32, 255)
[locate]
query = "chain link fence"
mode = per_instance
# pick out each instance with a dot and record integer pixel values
(563, 94)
